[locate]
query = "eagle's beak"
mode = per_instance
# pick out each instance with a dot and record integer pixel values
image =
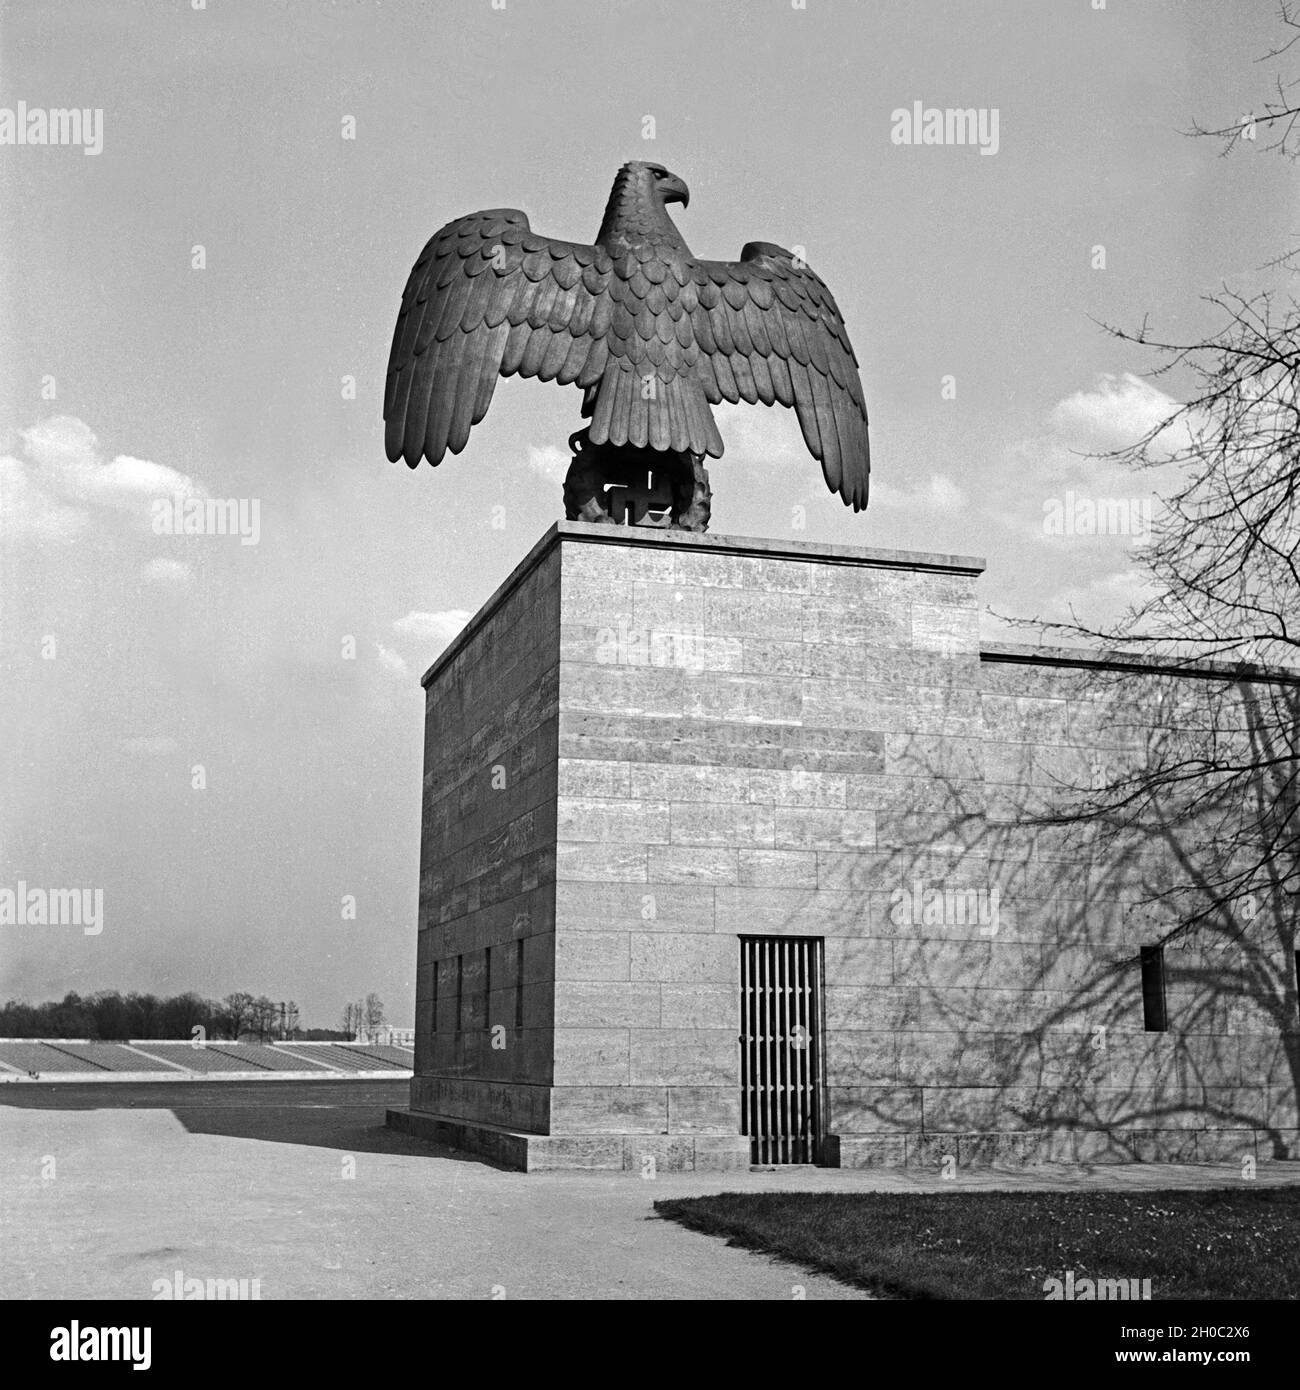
(675, 191)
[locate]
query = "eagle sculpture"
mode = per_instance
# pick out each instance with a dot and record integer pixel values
(652, 335)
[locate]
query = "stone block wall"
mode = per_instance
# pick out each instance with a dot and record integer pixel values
(736, 726)
(486, 953)
(704, 738)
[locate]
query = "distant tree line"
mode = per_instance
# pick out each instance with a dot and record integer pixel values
(363, 1016)
(111, 1016)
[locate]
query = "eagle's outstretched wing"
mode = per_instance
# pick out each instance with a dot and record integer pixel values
(769, 330)
(488, 297)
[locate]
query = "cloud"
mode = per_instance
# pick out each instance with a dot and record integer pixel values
(390, 660)
(1068, 465)
(170, 573)
(550, 461)
(51, 492)
(937, 494)
(1117, 412)
(433, 627)
(760, 434)
(944, 495)
(28, 512)
(66, 453)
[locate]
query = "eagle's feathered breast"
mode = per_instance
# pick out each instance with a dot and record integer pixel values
(653, 335)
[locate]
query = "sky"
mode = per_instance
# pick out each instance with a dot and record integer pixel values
(223, 733)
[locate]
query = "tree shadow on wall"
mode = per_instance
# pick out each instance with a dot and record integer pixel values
(1139, 812)
(1020, 868)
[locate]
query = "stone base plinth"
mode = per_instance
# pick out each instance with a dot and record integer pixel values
(1071, 1147)
(650, 749)
(605, 1153)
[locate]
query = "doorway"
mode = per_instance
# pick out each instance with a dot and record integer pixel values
(781, 1063)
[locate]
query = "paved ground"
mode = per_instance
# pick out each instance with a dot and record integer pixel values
(108, 1189)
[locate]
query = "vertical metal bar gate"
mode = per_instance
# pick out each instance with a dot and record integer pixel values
(781, 1047)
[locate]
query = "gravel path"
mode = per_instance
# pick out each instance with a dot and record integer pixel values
(301, 1187)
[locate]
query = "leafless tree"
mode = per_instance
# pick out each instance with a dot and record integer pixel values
(236, 1013)
(264, 1017)
(353, 1017)
(1278, 114)
(1222, 584)
(1203, 804)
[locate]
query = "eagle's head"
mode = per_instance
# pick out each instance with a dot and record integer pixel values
(662, 182)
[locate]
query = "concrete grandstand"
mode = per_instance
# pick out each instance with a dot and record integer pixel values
(76, 1059)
